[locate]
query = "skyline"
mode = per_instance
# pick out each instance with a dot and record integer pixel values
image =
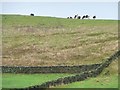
(59, 1)
(103, 10)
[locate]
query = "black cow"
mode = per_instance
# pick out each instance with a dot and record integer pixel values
(94, 17)
(87, 16)
(83, 17)
(31, 14)
(69, 17)
(75, 16)
(79, 17)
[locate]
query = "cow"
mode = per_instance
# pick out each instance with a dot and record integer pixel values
(75, 16)
(70, 17)
(78, 17)
(31, 14)
(83, 17)
(87, 16)
(94, 17)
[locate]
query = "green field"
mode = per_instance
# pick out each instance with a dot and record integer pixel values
(50, 41)
(107, 79)
(26, 80)
(99, 82)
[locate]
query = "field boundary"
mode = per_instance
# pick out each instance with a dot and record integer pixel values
(78, 77)
(49, 69)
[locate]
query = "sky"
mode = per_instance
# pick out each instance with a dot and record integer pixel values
(103, 10)
(59, 0)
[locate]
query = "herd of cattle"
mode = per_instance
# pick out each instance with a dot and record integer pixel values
(79, 17)
(75, 17)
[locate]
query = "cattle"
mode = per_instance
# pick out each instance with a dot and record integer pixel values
(83, 17)
(75, 16)
(79, 17)
(31, 14)
(87, 16)
(94, 17)
(69, 17)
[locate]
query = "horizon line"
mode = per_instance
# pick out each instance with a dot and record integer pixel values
(55, 16)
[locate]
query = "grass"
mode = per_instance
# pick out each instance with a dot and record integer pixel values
(99, 82)
(46, 22)
(26, 80)
(49, 41)
(107, 79)
(0, 80)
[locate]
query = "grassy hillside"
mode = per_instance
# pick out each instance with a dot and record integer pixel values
(47, 41)
(40, 41)
(26, 80)
(99, 82)
(107, 79)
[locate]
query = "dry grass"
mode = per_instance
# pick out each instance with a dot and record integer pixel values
(49, 45)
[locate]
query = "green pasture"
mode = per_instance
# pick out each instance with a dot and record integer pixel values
(98, 82)
(107, 79)
(26, 80)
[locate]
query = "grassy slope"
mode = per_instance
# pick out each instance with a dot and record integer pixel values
(107, 79)
(99, 82)
(37, 41)
(26, 80)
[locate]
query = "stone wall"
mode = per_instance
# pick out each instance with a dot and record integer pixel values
(50, 69)
(58, 69)
(79, 77)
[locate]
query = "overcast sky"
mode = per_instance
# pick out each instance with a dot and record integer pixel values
(103, 10)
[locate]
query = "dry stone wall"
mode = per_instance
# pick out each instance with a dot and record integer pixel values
(49, 69)
(78, 77)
